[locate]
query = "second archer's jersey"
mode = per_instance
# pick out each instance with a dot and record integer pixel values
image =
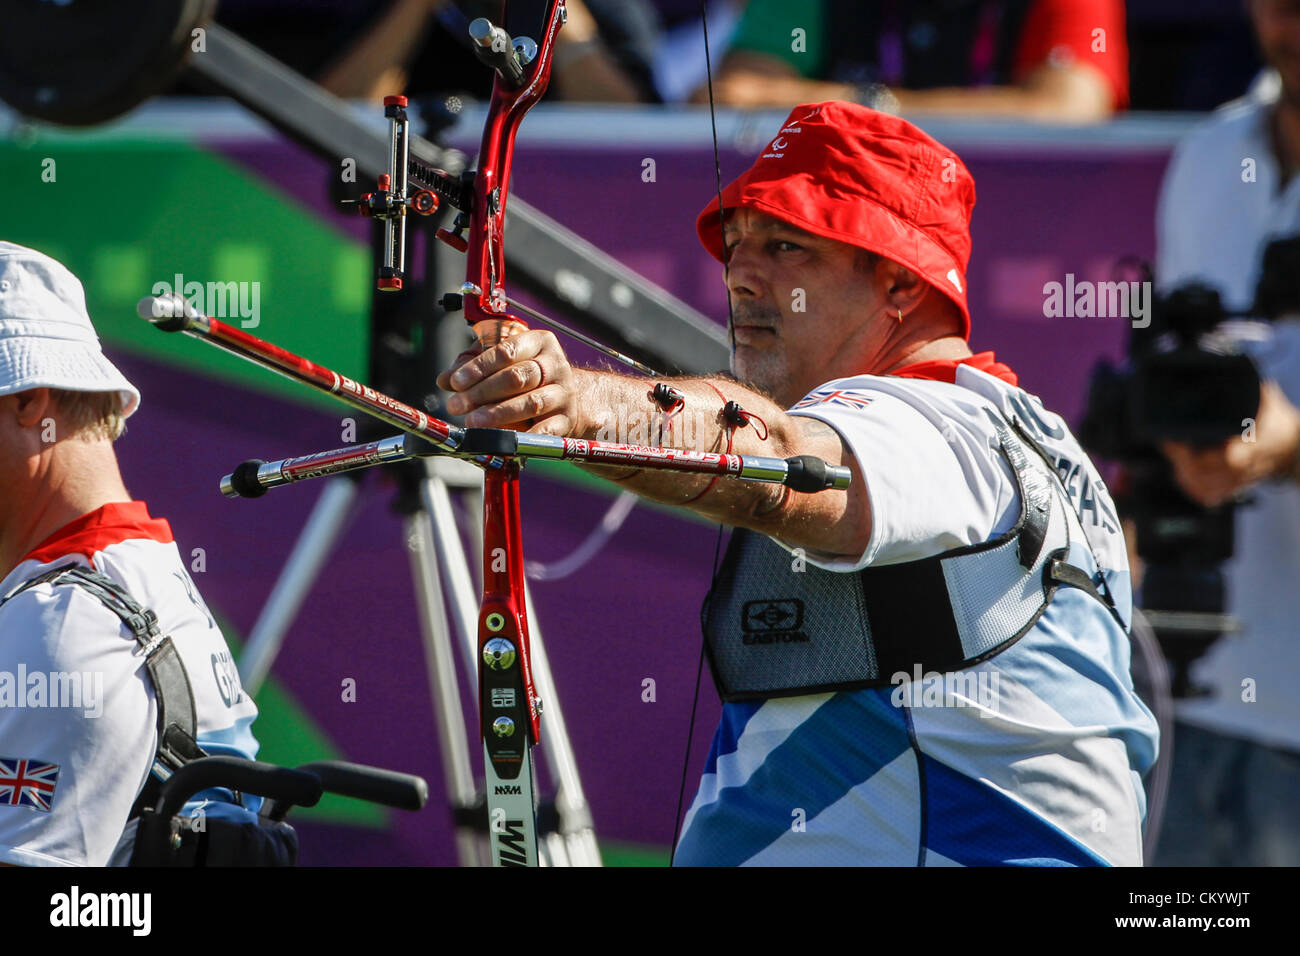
(78, 717)
(1034, 758)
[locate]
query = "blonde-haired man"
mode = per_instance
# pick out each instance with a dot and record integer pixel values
(89, 719)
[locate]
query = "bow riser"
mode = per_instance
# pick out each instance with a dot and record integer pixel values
(485, 298)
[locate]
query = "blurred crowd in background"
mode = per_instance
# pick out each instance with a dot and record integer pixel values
(1051, 60)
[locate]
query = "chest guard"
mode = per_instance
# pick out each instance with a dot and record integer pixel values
(771, 631)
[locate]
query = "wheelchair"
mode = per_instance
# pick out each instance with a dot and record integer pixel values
(165, 837)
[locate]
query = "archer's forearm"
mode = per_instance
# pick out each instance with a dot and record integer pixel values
(617, 408)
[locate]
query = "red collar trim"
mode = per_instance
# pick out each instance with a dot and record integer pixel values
(107, 525)
(945, 370)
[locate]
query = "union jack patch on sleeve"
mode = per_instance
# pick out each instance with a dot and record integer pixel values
(847, 397)
(27, 783)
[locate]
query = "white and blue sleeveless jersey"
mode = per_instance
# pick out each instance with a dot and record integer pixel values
(1034, 757)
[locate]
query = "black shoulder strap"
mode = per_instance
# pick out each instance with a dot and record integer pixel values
(177, 720)
(1073, 575)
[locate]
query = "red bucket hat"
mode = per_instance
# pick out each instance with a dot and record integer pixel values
(868, 179)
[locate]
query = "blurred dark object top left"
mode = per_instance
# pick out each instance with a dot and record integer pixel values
(81, 64)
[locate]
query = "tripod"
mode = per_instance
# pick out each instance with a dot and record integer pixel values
(447, 605)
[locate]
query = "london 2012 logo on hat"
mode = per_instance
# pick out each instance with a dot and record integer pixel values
(776, 149)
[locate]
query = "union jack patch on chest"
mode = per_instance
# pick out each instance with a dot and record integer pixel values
(27, 783)
(847, 397)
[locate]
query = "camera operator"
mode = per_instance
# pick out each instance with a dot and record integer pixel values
(1231, 189)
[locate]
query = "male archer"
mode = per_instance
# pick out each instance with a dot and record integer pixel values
(79, 711)
(950, 679)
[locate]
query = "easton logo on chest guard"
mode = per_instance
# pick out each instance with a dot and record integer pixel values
(773, 622)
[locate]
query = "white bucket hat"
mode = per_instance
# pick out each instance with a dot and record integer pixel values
(46, 337)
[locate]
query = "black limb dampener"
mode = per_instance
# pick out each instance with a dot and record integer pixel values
(243, 481)
(809, 473)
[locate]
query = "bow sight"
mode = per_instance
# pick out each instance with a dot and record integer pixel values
(413, 185)
(394, 195)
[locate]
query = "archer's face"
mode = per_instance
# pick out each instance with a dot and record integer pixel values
(18, 447)
(1277, 26)
(804, 311)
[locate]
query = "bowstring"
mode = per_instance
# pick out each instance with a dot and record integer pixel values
(731, 332)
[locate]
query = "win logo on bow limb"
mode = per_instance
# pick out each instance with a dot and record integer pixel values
(511, 843)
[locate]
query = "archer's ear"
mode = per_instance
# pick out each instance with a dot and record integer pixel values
(32, 406)
(905, 288)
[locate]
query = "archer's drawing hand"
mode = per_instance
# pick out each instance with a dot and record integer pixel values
(523, 382)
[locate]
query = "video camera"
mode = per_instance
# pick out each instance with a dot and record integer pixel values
(1186, 380)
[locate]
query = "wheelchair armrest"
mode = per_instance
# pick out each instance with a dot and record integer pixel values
(280, 784)
(403, 791)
